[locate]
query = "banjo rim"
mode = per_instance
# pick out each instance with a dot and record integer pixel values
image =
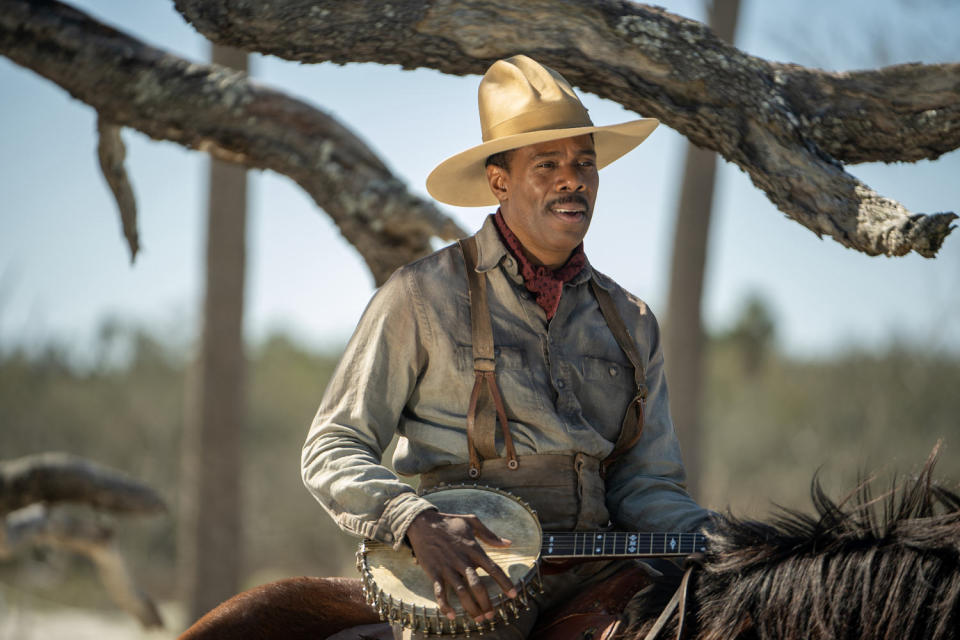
(428, 618)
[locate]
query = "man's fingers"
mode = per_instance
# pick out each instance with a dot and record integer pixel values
(440, 593)
(479, 592)
(484, 534)
(481, 532)
(446, 547)
(495, 572)
(465, 594)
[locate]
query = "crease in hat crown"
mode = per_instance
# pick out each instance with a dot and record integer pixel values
(519, 95)
(522, 102)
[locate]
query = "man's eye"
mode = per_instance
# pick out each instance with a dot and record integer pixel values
(586, 163)
(545, 165)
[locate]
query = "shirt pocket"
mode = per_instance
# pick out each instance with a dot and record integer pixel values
(513, 377)
(607, 389)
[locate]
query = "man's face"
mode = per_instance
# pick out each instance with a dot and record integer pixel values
(547, 196)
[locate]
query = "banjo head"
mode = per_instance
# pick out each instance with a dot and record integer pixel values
(400, 590)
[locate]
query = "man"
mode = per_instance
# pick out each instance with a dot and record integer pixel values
(584, 427)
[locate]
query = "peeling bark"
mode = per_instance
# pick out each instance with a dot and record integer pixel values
(111, 152)
(788, 127)
(214, 109)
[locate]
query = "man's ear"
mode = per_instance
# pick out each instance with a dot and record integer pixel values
(499, 181)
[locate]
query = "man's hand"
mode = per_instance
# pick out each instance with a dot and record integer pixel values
(446, 548)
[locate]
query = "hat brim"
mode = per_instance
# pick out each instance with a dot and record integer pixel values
(461, 180)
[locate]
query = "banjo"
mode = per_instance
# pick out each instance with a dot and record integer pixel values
(401, 593)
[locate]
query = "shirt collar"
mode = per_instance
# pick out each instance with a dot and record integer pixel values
(490, 248)
(491, 252)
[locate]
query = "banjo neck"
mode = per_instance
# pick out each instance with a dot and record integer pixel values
(620, 544)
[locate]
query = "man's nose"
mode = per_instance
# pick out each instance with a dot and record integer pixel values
(570, 178)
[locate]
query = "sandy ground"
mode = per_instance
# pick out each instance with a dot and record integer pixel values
(21, 623)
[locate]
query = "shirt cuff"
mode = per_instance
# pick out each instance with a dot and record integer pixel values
(397, 515)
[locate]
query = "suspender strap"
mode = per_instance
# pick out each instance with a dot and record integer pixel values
(481, 420)
(481, 434)
(632, 425)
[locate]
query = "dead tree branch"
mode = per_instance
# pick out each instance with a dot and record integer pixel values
(212, 108)
(32, 487)
(111, 153)
(38, 526)
(788, 127)
(51, 478)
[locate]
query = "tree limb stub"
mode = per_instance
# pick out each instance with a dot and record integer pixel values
(58, 477)
(787, 127)
(111, 152)
(215, 109)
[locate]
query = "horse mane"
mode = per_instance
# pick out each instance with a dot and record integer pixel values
(864, 567)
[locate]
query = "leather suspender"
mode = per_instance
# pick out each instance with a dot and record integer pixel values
(481, 433)
(632, 426)
(481, 437)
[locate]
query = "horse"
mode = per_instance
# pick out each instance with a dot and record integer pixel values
(861, 568)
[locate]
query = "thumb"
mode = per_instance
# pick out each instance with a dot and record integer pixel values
(484, 534)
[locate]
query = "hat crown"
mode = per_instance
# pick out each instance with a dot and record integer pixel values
(520, 95)
(522, 103)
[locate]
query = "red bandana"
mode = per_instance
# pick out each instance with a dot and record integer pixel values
(546, 283)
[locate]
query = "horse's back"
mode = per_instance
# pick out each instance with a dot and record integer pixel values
(317, 608)
(293, 609)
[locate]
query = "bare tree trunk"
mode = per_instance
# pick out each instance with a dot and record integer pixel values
(210, 519)
(684, 335)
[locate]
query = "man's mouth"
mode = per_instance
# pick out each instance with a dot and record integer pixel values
(570, 206)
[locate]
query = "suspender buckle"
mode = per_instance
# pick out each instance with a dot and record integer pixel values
(641, 397)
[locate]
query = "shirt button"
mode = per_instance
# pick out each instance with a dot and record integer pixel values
(560, 384)
(613, 371)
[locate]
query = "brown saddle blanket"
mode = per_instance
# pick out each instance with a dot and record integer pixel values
(315, 608)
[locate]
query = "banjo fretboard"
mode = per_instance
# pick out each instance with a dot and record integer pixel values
(585, 544)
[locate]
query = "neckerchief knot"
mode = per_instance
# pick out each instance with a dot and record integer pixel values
(546, 284)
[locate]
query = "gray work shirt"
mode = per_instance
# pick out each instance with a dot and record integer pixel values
(408, 369)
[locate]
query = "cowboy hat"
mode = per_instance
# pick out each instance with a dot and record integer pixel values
(523, 102)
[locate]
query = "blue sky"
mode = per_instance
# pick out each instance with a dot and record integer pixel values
(64, 267)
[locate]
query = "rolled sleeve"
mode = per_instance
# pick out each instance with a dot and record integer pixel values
(397, 516)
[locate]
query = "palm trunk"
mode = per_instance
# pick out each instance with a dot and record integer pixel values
(210, 514)
(684, 334)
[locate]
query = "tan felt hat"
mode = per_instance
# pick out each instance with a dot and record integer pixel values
(523, 102)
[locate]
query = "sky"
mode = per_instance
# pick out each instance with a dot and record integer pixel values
(65, 269)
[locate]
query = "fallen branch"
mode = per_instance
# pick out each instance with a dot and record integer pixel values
(32, 487)
(39, 526)
(51, 478)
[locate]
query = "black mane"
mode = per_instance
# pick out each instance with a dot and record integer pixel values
(862, 568)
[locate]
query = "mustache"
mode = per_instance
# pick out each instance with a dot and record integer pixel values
(573, 198)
